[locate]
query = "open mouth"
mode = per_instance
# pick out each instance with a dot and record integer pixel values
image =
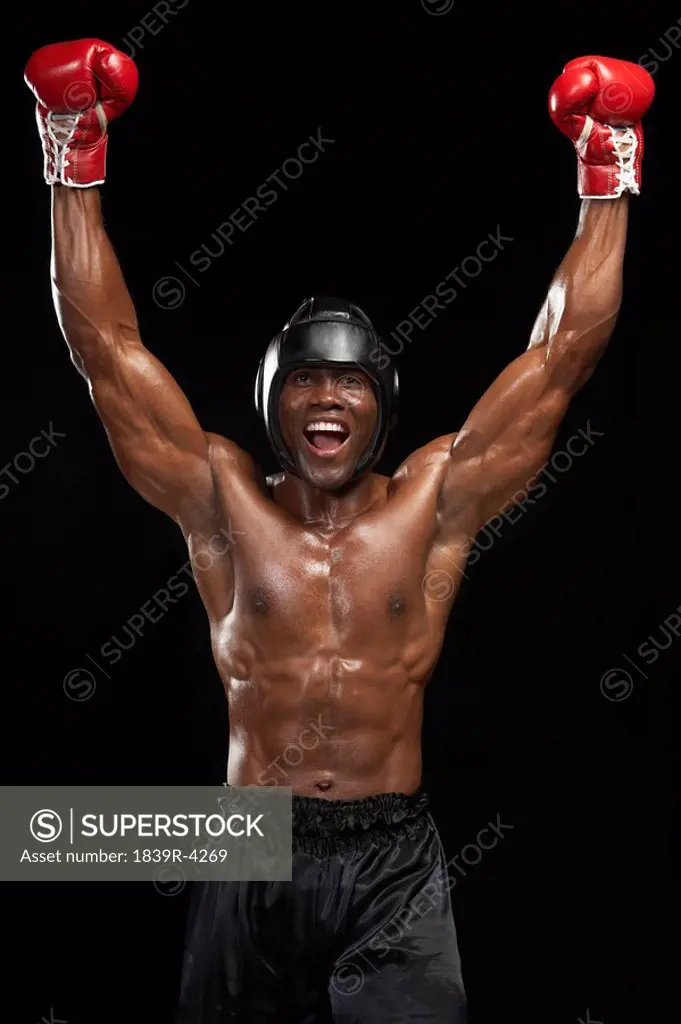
(326, 437)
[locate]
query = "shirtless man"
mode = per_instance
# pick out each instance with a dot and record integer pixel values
(320, 623)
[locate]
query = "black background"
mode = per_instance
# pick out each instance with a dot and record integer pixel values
(441, 136)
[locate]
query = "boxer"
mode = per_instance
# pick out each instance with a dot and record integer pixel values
(323, 631)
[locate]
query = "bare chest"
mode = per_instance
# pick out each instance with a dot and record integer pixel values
(352, 584)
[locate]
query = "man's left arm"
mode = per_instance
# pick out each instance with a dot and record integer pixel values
(509, 434)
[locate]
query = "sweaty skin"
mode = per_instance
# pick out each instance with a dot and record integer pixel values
(328, 603)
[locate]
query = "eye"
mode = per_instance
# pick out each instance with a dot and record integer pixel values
(350, 382)
(300, 377)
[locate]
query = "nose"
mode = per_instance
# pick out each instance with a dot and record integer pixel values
(327, 393)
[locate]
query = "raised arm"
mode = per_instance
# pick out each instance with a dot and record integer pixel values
(81, 86)
(156, 438)
(509, 434)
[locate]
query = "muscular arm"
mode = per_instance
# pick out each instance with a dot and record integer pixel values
(509, 434)
(155, 437)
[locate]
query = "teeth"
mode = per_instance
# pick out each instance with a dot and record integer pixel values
(336, 427)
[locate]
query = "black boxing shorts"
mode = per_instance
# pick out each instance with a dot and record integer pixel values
(363, 932)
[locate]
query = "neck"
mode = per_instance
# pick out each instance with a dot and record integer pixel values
(328, 508)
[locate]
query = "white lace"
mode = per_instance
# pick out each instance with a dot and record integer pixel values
(625, 146)
(61, 128)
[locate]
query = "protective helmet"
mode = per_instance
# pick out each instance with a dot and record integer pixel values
(322, 332)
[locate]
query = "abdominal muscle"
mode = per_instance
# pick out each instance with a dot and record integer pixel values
(327, 727)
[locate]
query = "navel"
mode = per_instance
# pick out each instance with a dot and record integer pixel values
(398, 606)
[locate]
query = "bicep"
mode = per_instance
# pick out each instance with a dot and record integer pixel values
(154, 435)
(506, 438)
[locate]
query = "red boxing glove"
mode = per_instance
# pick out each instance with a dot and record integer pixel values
(80, 86)
(598, 102)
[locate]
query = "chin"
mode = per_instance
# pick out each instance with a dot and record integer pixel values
(326, 478)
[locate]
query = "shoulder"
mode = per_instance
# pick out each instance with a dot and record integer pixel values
(225, 456)
(430, 456)
(428, 463)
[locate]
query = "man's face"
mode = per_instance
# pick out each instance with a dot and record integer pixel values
(327, 416)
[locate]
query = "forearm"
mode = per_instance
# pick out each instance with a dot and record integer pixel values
(584, 298)
(90, 296)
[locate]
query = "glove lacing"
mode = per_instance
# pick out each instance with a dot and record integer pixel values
(61, 128)
(625, 146)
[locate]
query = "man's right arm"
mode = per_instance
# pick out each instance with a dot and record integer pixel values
(154, 434)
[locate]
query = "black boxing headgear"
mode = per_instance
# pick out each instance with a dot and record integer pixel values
(327, 332)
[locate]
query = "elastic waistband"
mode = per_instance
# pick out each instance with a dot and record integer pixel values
(327, 826)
